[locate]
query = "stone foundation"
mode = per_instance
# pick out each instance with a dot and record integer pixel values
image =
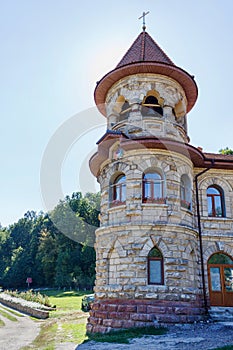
(114, 314)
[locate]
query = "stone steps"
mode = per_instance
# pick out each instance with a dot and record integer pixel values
(221, 314)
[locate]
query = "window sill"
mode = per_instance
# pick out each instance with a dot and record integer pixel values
(216, 218)
(150, 204)
(117, 207)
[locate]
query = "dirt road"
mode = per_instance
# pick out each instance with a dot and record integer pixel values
(16, 334)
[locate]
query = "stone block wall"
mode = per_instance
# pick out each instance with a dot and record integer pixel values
(121, 264)
(116, 314)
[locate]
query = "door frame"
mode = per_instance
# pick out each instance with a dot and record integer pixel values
(222, 297)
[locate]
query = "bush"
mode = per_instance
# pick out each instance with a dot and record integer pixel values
(31, 296)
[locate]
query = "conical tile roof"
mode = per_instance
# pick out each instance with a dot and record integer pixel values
(144, 48)
(145, 56)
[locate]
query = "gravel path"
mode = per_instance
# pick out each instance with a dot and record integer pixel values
(179, 337)
(16, 334)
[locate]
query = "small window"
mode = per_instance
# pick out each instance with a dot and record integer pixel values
(153, 188)
(118, 190)
(151, 107)
(155, 267)
(185, 192)
(215, 201)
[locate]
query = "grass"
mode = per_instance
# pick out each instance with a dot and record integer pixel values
(124, 336)
(12, 311)
(2, 324)
(66, 324)
(8, 316)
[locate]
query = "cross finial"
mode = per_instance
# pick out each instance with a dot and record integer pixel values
(144, 22)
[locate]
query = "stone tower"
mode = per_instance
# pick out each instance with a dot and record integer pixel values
(147, 266)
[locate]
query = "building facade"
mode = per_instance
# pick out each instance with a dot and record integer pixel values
(164, 249)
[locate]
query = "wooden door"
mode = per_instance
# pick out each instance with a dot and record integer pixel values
(220, 284)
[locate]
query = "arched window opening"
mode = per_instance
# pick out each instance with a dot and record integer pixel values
(215, 202)
(118, 190)
(124, 113)
(153, 188)
(185, 192)
(220, 258)
(151, 107)
(155, 267)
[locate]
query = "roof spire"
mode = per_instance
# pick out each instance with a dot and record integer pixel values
(144, 22)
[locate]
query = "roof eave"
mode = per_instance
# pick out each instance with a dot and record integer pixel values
(180, 75)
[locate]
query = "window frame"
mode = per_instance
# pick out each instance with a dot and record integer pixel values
(185, 192)
(212, 197)
(118, 186)
(152, 183)
(153, 258)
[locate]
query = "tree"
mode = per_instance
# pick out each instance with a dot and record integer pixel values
(226, 151)
(55, 249)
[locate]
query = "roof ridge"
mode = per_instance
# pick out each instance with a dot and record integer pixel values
(143, 46)
(144, 49)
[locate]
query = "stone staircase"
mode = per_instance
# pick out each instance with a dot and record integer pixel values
(221, 314)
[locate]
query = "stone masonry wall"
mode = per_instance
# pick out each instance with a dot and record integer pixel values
(115, 314)
(121, 262)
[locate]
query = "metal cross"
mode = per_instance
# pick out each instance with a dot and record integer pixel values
(144, 22)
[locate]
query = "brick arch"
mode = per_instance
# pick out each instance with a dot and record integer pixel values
(113, 261)
(151, 163)
(154, 241)
(185, 169)
(215, 180)
(121, 167)
(117, 246)
(214, 248)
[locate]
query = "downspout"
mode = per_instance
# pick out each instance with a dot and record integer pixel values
(200, 235)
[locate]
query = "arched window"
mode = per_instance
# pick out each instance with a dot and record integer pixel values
(153, 188)
(151, 107)
(118, 190)
(215, 201)
(220, 258)
(155, 267)
(122, 107)
(124, 114)
(185, 192)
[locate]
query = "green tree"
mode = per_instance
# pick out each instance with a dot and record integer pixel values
(226, 151)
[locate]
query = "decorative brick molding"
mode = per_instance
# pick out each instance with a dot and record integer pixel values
(113, 314)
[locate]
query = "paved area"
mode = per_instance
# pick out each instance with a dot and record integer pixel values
(179, 337)
(16, 334)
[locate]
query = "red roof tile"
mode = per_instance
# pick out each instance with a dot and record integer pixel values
(220, 157)
(144, 48)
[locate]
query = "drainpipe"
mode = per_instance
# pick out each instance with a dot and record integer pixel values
(200, 235)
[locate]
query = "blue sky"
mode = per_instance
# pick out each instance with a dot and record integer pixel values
(52, 54)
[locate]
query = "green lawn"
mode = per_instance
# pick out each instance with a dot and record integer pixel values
(66, 324)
